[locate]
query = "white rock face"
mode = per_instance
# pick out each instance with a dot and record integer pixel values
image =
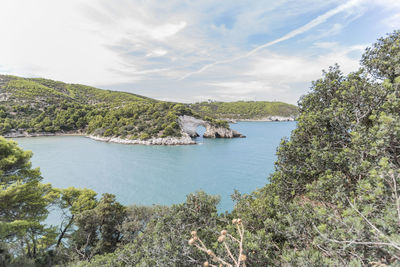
(279, 118)
(215, 132)
(4, 97)
(189, 125)
(167, 141)
(183, 140)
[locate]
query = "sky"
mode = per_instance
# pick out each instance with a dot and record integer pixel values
(191, 50)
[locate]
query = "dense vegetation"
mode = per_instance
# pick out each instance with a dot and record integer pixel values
(46, 106)
(245, 109)
(332, 201)
(334, 197)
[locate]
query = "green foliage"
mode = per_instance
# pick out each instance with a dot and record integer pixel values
(163, 234)
(46, 106)
(98, 229)
(244, 109)
(24, 203)
(332, 199)
(87, 94)
(72, 202)
(382, 59)
(25, 89)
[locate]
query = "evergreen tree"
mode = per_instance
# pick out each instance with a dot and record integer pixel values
(24, 203)
(334, 196)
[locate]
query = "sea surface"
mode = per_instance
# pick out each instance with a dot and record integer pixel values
(140, 174)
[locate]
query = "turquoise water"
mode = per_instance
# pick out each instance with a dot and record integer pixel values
(162, 174)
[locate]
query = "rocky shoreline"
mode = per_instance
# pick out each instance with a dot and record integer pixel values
(188, 125)
(184, 140)
(166, 141)
(26, 134)
(267, 119)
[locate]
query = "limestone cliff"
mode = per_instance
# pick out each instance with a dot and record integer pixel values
(189, 125)
(166, 141)
(219, 132)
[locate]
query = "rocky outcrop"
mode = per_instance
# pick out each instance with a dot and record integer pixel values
(280, 118)
(183, 140)
(4, 97)
(189, 125)
(167, 141)
(219, 132)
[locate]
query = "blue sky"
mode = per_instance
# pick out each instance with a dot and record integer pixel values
(191, 51)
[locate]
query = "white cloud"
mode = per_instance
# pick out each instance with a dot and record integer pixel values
(57, 40)
(279, 76)
(167, 30)
(157, 53)
(44, 38)
(308, 26)
(390, 4)
(241, 89)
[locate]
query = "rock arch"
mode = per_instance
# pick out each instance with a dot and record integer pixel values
(189, 125)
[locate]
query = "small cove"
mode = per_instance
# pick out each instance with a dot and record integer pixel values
(140, 174)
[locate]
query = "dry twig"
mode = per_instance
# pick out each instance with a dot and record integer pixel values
(238, 261)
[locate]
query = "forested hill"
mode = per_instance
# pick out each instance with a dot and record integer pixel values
(47, 91)
(41, 106)
(36, 106)
(246, 109)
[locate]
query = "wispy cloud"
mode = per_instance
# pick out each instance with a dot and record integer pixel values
(310, 25)
(278, 76)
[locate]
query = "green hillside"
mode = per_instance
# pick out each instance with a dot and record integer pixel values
(36, 105)
(245, 109)
(41, 105)
(49, 91)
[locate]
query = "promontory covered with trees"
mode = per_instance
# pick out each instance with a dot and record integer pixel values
(333, 200)
(35, 106)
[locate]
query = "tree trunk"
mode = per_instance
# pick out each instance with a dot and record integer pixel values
(64, 231)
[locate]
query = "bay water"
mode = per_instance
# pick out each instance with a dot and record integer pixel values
(140, 174)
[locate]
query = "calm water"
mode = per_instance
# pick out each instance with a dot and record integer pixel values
(162, 174)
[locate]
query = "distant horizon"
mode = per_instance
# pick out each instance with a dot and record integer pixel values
(191, 52)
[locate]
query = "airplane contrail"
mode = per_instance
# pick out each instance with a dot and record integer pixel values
(313, 23)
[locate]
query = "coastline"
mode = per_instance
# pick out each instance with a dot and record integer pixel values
(266, 119)
(25, 134)
(184, 140)
(165, 141)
